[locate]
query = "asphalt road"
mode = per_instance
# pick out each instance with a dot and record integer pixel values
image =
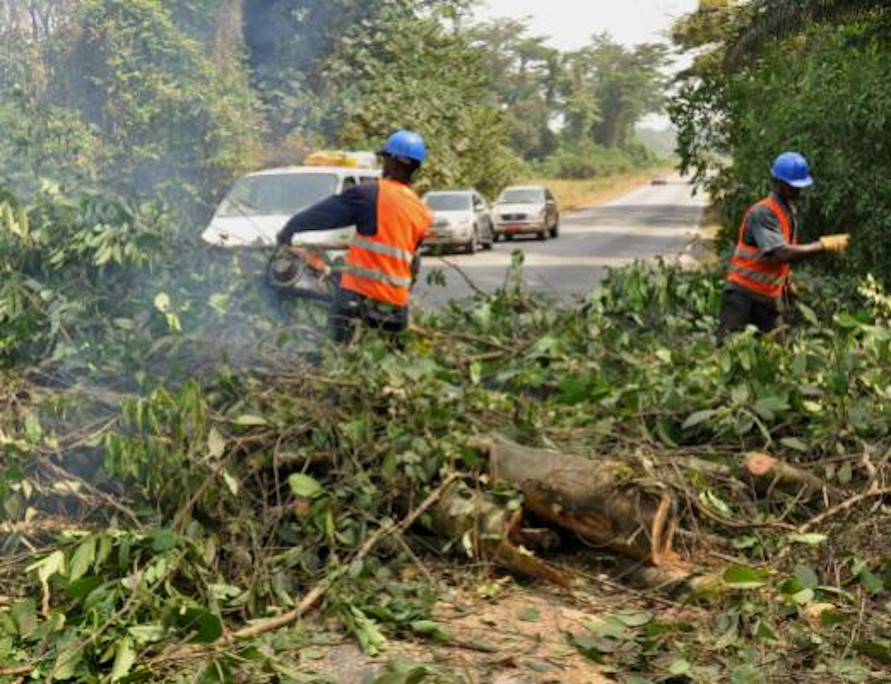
(650, 222)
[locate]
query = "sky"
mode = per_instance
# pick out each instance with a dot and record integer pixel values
(570, 23)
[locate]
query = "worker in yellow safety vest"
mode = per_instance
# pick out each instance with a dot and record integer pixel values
(758, 277)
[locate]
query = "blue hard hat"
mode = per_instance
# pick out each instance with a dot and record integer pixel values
(792, 168)
(406, 144)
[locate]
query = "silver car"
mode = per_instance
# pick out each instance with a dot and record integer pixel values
(525, 209)
(461, 218)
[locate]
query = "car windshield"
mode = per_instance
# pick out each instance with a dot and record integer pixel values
(521, 196)
(277, 194)
(448, 201)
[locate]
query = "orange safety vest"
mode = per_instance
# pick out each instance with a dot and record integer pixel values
(751, 269)
(379, 266)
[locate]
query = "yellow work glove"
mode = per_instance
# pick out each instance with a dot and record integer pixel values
(835, 244)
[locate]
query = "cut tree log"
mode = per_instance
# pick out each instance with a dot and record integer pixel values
(767, 474)
(603, 501)
(486, 529)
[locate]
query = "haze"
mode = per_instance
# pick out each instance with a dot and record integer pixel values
(570, 24)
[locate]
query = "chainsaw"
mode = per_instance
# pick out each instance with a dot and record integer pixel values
(304, 272)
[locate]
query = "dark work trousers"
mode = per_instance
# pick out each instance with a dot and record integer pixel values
(350, 308)
(739, 309)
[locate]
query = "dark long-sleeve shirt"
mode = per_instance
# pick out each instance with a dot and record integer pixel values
(354, 207)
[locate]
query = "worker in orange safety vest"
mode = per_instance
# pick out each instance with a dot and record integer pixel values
(391, 221)
(758, 278)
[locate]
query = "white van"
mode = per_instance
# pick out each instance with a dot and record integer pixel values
(260, 204)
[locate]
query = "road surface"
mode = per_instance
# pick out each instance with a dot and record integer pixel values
(649, 222)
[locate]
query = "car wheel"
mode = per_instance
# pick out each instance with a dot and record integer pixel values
(542, 234)
(474, 243)
(555, 230)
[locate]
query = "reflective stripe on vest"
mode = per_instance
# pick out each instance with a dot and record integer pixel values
(386, 250)
(754, 275)
(751, 269)
(379, 266)
(371, 274)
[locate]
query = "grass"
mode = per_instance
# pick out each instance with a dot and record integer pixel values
(574, 194)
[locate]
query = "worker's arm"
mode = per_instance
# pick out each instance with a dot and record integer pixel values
(763, 231)
(795, 253)
(355, 207)
(831, 244)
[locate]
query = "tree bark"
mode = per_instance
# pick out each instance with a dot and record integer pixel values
(486, 528)
(600, 500)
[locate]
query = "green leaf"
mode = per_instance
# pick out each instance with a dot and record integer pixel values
(147, 634)
(304, 485)
(636, 619)
(807, 577)
(124, 659)
(741, 577)
(794, 443)
(162, 302)
(747, 674)
(808, 314)
(877, 652)
(162, 540)
(679, 667)
(216, 445)
(231, 482)
(49, 566)
(83, 559)
(870, 582)
(202, 626)
(249, 420)
(697, 418)
(431, 628)
(24, 613)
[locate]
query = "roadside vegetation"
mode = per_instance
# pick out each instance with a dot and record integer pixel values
(772, 76)
(195, 486)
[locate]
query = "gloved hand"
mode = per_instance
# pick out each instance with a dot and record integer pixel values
(283, 237)
(835, 244)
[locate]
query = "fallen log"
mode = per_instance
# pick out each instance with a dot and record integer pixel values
(767, 474)
(486, 529)
(600, 500)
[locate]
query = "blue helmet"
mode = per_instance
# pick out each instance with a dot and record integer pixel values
(407, 145)
(792, 168)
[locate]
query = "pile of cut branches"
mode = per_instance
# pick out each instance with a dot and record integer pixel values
(157, 524)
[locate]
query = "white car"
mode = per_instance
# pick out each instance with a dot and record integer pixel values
(260, 204)
(461, 218)
(524, 209)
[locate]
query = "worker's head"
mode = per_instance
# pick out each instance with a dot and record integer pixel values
(402, 155)
(791, 175)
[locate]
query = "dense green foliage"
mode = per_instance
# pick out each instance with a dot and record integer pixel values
(126, 95)
(235, 492)
(821, 90)
(172, 99)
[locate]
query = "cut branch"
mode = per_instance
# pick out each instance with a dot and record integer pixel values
(766, 474)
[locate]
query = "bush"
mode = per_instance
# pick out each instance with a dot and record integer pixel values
(590, 160)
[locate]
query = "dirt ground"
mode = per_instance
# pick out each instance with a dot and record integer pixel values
(503, 631)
